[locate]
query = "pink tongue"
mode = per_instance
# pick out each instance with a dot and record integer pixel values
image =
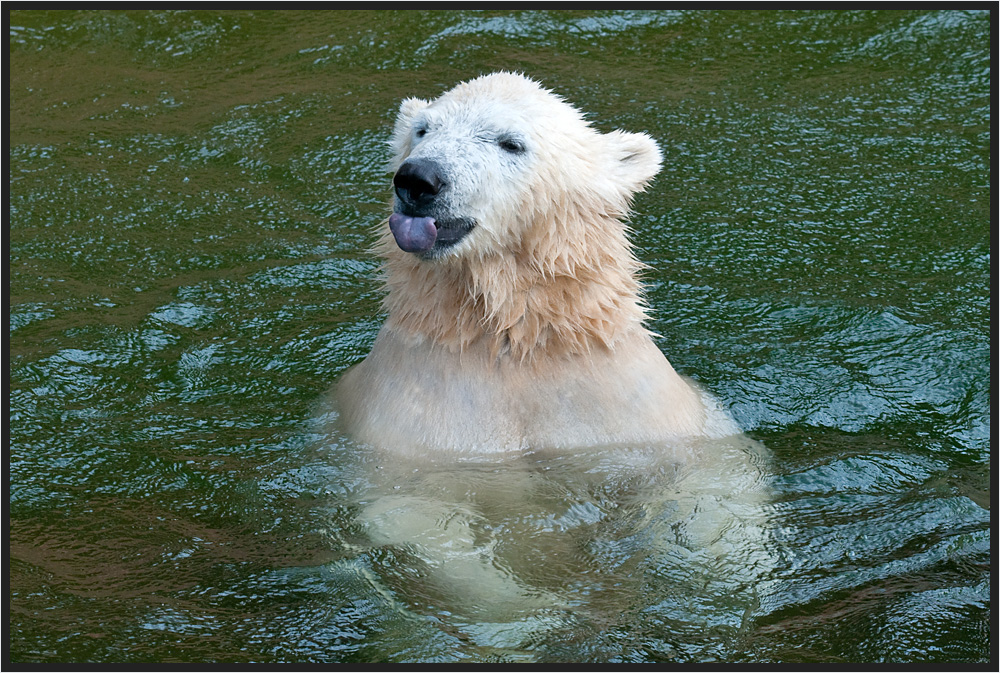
(413, 234)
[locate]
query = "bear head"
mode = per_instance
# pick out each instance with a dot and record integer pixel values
(499, 160)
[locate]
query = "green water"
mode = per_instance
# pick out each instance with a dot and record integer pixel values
(192, 195)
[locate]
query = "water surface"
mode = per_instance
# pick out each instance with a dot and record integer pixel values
(192, 196)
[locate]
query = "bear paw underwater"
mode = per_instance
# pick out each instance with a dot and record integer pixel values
(515, 318)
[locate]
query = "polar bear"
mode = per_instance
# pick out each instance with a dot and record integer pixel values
(515, 316)
(535, 463)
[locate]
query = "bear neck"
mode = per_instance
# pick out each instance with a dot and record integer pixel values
(544, 299)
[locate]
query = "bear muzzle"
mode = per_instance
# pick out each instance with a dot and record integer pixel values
(417, 224)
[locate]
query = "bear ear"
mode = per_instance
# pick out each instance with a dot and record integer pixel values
(636, 158)
(400, 143)
(408, 108)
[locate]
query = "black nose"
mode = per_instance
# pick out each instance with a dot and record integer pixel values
(418, 181)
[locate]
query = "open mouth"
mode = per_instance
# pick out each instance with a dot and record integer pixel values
(427, 236)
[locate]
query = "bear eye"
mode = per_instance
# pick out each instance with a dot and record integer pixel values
(421, 132)
(511, 145)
